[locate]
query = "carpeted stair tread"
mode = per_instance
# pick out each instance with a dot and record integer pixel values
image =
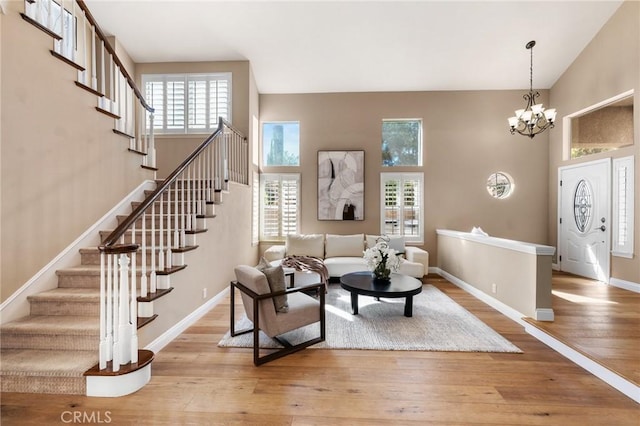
(68, 295)
(54, 325)
(80, 270)
(38, 362)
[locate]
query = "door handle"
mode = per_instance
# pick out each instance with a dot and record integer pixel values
(603, 228)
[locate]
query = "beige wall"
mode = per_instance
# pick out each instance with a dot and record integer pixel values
(172, 150)
(62, 166)
(608, 66)
(466, 138)
(522, 280)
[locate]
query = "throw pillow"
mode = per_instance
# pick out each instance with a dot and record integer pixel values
(305, 245)
(396, 242)
(264, 263)
(344, 245)
(275, 278)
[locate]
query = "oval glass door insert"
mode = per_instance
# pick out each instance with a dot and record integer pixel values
(583, 205)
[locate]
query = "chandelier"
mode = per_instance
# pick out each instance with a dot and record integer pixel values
(533, 119)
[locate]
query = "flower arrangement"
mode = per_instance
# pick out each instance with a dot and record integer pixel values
(381, 259)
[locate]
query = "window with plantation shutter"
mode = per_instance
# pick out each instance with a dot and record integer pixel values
(188, 103)
(402, 212)
(255, 209)
(279, 194)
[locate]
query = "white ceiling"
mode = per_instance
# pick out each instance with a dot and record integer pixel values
(355, 46)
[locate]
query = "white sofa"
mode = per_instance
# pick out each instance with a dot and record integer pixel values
(343, 254)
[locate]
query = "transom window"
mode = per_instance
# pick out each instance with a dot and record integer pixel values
(402, 142)
(188, 103)
(281, 143)
(402, 211)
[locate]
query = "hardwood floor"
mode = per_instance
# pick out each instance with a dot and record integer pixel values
(195, 382)
(598, 320)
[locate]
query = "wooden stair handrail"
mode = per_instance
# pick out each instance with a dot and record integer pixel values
(112, 51)
(139, 211)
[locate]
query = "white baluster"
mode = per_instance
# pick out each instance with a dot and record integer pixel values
(194, 195)
(109, 316)
(124, 324)
(59, 46)
(103, 73)
(94, 60)
(168, 263)
(161, 265)
(82, 75)
(103, 350)
(115, 318)
(50, 21)
(176, 217)
(143, 254)
(183, 210)
(74, 44)
(140, 118)
(189, 205)
(114, 86)
(133, 315)
(151, 148)
(115, 97)
(152, 276)
(129, 291)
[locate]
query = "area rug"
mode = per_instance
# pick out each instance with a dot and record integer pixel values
(438, 324)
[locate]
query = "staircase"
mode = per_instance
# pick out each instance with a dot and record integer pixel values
(52, 349)
(81, 337)
(55, 348)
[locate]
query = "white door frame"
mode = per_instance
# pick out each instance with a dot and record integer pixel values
(607, 161)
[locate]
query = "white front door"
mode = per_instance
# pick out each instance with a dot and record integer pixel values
(584, 229)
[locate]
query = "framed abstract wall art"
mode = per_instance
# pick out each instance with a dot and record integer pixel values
(340, 185)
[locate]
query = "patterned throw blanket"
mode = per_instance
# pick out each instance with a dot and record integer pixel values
(308, 263)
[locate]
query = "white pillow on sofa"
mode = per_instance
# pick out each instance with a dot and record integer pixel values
(396, 242)
(306, 245)
(344, 245)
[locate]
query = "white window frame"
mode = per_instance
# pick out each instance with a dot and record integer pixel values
(160, 125)
(284, 211)
(623, 207)
(420, 141)
(385, 177)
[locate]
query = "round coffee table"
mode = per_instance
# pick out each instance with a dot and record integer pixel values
(399, 285)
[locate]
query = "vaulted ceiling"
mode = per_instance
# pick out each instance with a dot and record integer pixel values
(354, 46)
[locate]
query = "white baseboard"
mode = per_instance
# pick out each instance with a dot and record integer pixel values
(16, 305)
(491, 301)
(168, 336)
(627, 285)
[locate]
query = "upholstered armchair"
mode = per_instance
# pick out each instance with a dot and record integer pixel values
(258, 301)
